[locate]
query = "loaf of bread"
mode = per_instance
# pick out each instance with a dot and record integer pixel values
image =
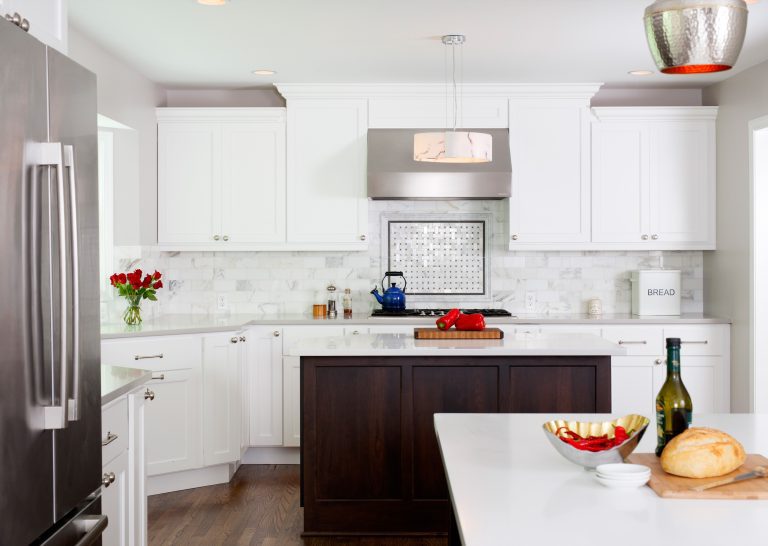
(702, 453)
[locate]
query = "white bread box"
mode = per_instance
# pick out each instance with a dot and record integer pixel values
(656, 292)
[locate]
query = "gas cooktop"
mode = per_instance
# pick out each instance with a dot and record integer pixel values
(416, 313)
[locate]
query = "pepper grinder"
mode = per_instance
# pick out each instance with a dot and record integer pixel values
(331, 301)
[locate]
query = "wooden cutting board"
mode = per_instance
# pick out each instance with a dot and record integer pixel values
(674, 487)
(435, 333)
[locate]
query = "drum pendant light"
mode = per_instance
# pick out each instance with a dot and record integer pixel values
(695, 36)
(453, 146)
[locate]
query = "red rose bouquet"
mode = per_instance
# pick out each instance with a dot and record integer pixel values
(134, 288)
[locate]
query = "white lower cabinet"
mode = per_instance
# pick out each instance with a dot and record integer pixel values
(292, 401)
(115, 501)
(174, 422)
(221, 398)
(265, 386)
(123, 492)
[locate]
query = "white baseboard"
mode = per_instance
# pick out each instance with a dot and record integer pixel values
(189, 479)
(271, 455)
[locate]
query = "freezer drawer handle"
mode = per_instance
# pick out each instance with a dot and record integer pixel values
(705, 342)
(93, 526)
(624, 342)
(109, 439)
(143, 357)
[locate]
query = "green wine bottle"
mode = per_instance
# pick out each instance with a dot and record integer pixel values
(673, 403)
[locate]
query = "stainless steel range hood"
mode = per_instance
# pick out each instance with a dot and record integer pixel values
(393, 174)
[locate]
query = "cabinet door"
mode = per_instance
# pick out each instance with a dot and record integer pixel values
(253, 182)
(265, 386)
(550, 173)
(221, 399)
(174, 423)
(292, 401)
(115, 502)
(188, 182)
(47, 20)
(682, 182)
(619, 182)
(327, 172)
(699, 375)
(633, 385)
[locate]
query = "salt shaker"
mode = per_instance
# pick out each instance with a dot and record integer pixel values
(331, 290)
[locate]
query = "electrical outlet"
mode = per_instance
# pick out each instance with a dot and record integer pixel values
(530, 301)
(221, 302)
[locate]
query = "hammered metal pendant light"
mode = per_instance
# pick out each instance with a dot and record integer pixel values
(695, 36)
(453, 146)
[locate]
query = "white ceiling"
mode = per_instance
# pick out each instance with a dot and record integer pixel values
(179, 43)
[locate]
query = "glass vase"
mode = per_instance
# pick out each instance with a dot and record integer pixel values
(132, 315)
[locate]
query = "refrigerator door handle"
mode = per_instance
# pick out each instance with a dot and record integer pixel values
(74, 402)
(50, 154)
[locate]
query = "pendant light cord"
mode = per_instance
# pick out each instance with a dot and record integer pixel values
(453, 75)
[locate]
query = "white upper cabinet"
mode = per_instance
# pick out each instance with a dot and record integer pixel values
(548, 141)
(47, 19)
(221, 178)
(327, 204)
(653, 178)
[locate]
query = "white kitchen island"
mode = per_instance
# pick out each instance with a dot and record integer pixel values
(509, 487)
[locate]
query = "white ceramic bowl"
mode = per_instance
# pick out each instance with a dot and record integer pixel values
(623, 471)
(623, 484)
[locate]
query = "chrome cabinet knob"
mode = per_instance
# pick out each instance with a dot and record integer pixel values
(658, 361)
(276, 333)
(149, 395)
(226, 237)
(215, 237)
(233, 339)
(242, 338)
(515, 237)
(108, 479)
(654, 237)
(644, 237)
(362, 237)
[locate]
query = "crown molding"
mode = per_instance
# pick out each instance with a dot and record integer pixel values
(654, 113)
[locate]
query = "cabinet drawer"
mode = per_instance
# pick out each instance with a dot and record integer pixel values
(697, 340)
(153, 353)
(636, 340)
(114, 429)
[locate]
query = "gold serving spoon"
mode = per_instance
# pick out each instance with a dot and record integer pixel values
(757, 472)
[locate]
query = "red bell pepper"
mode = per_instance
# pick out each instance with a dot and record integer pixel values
(447, 320)
(475, 321)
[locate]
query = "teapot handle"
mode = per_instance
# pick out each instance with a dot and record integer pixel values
(394, 274)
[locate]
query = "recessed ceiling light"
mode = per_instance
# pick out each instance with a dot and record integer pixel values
(640, 72)
(212, 2)
(264, 72)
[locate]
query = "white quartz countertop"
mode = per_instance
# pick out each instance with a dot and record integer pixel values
(192, 324)
(117, 381)
(405, 344)
(509, 486)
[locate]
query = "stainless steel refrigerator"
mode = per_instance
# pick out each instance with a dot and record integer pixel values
(50, 401)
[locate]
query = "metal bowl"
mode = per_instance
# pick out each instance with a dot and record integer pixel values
(590, 459)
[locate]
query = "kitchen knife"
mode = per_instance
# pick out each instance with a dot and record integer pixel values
(757, 472)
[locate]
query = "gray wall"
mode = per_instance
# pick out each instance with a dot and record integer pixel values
(727, 270)
(128, 97)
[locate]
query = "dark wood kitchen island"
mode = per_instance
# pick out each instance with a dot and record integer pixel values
(370, 458)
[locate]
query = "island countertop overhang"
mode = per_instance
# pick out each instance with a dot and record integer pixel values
(405, 345)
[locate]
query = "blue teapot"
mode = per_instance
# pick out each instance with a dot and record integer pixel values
(393, 298)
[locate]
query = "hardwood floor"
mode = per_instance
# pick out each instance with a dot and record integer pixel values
(260, 506)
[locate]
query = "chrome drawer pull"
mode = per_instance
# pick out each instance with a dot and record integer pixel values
(623, 342)
(109, 439)
(143, 357)
(705, 342)
(159, 376)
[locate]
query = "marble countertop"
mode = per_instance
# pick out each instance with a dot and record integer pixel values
(405, 344)
(191, 324)
(117, 381)
(508, 485)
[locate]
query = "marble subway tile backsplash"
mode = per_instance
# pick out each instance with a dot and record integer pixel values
(290, 282)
